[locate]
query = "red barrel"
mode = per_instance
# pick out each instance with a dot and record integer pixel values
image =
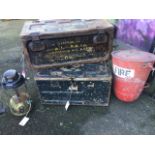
(131, 69)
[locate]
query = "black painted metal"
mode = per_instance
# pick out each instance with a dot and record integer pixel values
(62, 50)
(88, 93)
(89, 84)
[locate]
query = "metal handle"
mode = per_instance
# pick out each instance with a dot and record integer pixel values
(73, 88)
(147, 85)
(37, 46)
(148, 65)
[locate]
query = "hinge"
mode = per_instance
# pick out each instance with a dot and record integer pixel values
(100, 31)
(35, 36)
(101, 37)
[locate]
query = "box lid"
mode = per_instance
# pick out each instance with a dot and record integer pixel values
(77, 72)
(62, 27)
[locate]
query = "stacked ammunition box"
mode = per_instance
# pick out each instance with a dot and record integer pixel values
(70, 60)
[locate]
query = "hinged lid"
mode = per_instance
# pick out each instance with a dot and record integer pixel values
(64, 27)
(80, 72)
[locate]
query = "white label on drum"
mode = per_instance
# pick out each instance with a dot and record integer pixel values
(123, 72)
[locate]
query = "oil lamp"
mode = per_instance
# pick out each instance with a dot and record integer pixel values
(19, 100)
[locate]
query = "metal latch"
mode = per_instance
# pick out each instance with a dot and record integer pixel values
(91, 85)
(73, 88)
(35, 36)
(100, 38)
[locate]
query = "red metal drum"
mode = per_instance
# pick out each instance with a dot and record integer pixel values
(131, 69)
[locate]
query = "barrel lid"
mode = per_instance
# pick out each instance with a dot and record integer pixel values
(134, 55)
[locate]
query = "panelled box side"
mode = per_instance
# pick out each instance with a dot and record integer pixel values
(89, 84)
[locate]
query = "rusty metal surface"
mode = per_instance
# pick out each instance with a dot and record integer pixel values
(68, 43)
(76, 62)
(97, 71)
(62, 27)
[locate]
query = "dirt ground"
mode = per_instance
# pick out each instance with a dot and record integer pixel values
(118, 118)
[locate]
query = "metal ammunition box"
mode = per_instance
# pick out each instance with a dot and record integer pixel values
(59, 43)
